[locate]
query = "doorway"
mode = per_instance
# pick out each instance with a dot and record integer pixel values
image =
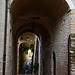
(28, 54)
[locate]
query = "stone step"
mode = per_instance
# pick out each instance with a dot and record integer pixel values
(72, 49)
(73, 70)
(72, 54)
(72, 38)
(72, 62)
(72, 42)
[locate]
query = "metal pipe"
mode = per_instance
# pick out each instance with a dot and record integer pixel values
(5, 37)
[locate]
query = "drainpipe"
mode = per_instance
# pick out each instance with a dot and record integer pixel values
(5, 37)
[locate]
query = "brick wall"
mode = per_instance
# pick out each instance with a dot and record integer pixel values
(60, 34)
(73, 21)
(2, 23)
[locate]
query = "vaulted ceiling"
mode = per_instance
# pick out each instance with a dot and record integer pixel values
(43, 11)
(52, 9)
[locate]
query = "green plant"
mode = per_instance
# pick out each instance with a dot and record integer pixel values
(31, 47)
(23, 48)
(72, 35)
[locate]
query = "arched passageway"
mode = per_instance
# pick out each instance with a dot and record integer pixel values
(50, 24)
(28, 54)
(44, 42)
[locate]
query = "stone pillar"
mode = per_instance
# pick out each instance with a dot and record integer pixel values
(41, 61)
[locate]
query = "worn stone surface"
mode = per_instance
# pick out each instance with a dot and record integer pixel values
(73, 21)
(59, 45)
(2, 23)
(58, 42)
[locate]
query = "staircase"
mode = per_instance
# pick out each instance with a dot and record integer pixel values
(72, 54)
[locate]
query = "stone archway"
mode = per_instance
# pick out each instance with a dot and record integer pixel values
(44, 41)
(50, 23)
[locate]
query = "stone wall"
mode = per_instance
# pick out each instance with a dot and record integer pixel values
(11, 53)
(2, 24)
(60, 34)
(59, 44)
(73, 21)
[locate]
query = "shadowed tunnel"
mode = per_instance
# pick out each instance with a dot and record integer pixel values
(49, 20)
